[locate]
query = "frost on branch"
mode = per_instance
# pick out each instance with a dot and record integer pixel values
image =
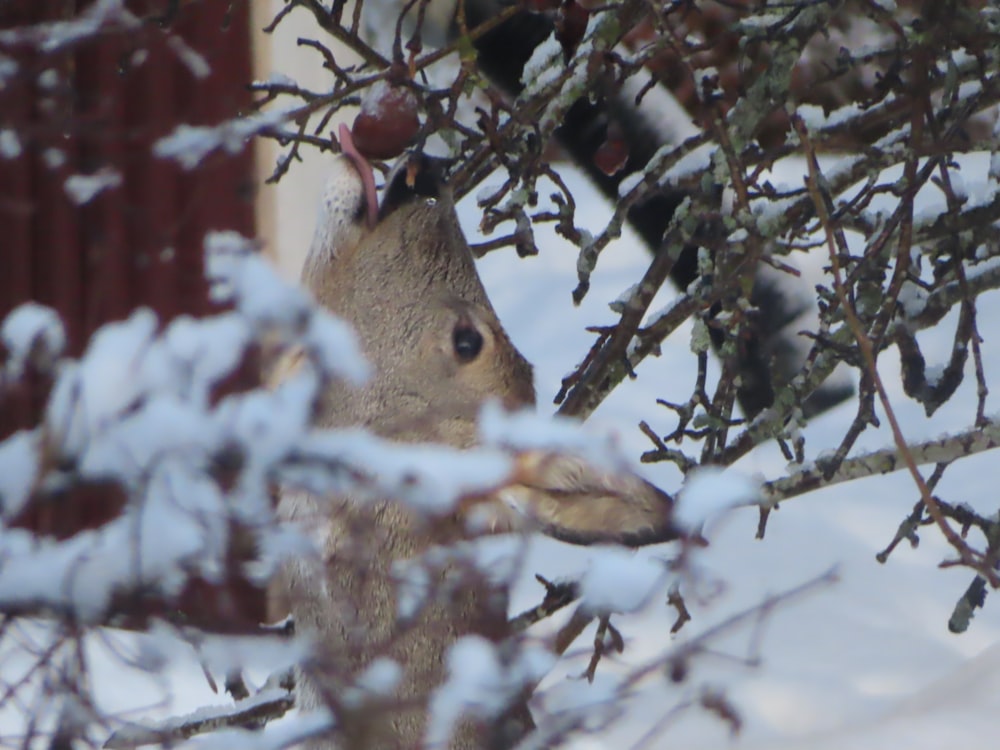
(19, 457)
(189, 145)
(144, 414)
(482, 682)
(32, 333)
(140, 409)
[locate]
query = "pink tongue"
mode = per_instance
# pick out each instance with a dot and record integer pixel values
(364, 170)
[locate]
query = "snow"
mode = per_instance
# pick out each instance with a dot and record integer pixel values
(630, 183)
(958, 187)
(18, 470)
(83, 188)
(526, 430)
(270, 304)
(54, 35)
(336, 347)
(709, 491)
(379, 679)
(619, 580)
(969, 178)
(188, 145)
(248, 281)
(193, 60)
(912, 299)
(279, 79)
(986, 266)
(54, 158)
(692, 162)
(137, 408)
(31, 332)
(474, 683)
(868, 662)
(383, 101)
(10, 144)
(282, 735)
(179, 527)
(621, 303)
(152, 732)
(222, 654)
(163, 425)
(545, 64)
(262, 425)
(194, 355)
(658, 107)
(479, 683)
(816, 118)
(90, 395)
(429, 478)
(8, 69)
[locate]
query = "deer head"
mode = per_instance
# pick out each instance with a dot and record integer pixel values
(403, 275)
(407, 283)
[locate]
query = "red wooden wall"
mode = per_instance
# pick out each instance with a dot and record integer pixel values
(100, 101)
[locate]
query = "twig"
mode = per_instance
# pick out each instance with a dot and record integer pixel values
(557, 596)
(886, 461)
(868, 352)
(263, 707)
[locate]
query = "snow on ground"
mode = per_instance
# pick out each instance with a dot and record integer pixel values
(867, 663)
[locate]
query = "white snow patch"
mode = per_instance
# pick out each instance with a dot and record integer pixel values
(188, 145)
(280, 79)
(31, 332)
(481, 684)
(429, 478)
(379, 680)
(709, 491)
(382, 100)
(89, 395)
(528, 430)
(53, 158)
(619, 580)
(912, 299)
(18, 471)
(694, 161)
(544, 66)
(83, 188)
(10, 144)
(291, 732)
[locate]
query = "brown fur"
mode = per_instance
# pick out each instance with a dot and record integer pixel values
(405, 285)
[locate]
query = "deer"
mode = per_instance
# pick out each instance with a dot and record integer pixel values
(402, 274)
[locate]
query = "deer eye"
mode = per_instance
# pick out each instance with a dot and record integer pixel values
(468, 342)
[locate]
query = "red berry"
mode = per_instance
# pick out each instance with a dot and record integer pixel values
(571, 25)
(387, 122)
(611, 155)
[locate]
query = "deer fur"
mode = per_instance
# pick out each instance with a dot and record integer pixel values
(408, 285)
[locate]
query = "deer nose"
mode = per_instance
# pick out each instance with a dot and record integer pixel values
(414, 176)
